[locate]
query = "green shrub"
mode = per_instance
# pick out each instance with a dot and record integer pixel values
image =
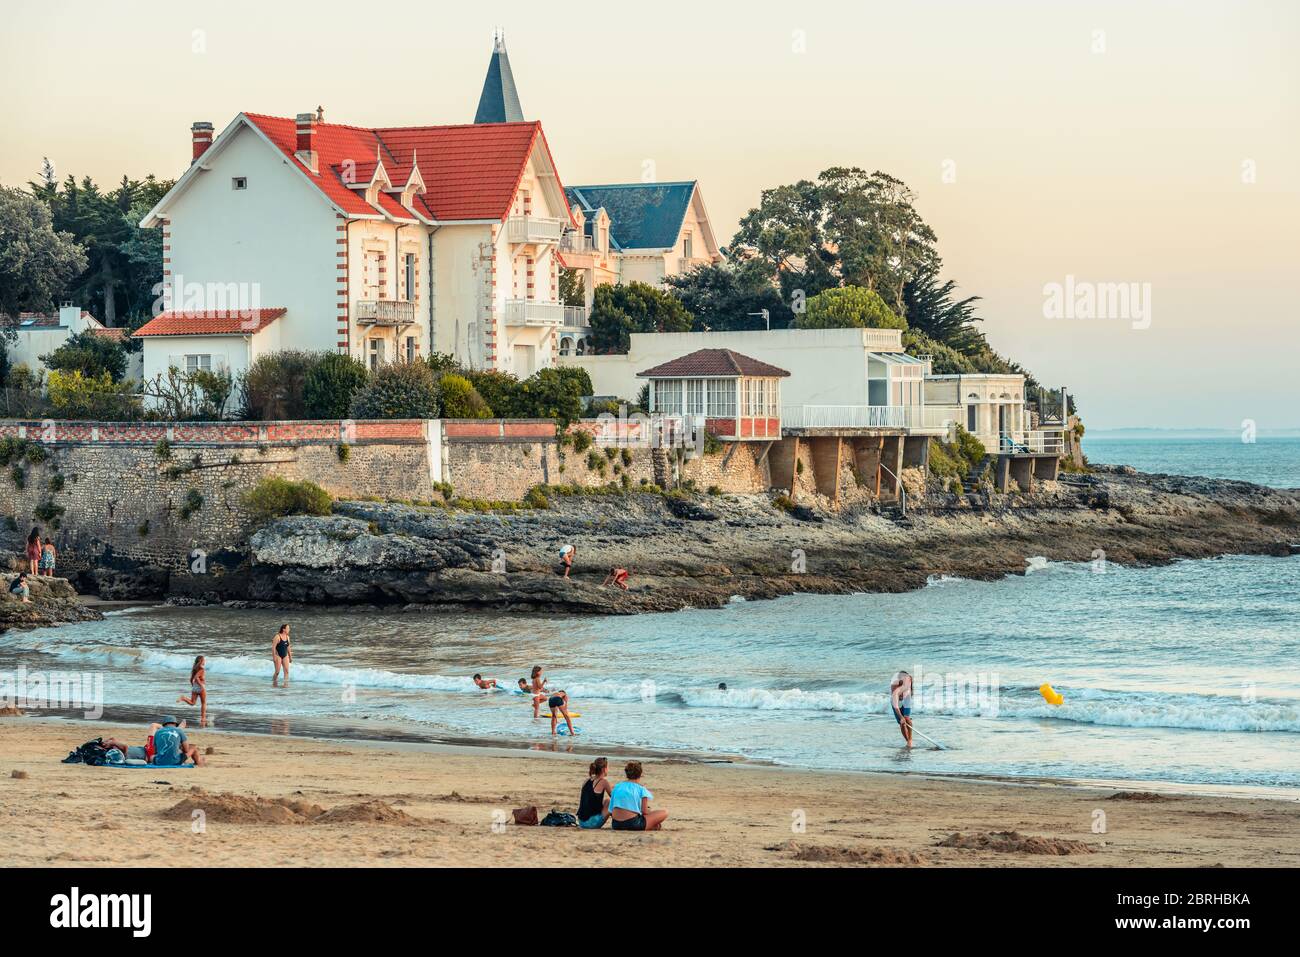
(581, 440)
(19, 477)
(274, 497)
(784, 502)
(274, 386)
(440, 363)
(460, 400)
(577, 379)
(193, 502)
(715, 490)
(331, 385)
(536, 498)
(344, 452)
(163, 450)
(48, 512)
(596, 461)
(91, 355)
(74, 395)
(400, 390)
(712, 444)
(56, 482)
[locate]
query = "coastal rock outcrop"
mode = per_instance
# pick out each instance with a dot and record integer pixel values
(53, 601)
(707, 551)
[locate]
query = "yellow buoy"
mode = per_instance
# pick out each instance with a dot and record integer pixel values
(1050, 694)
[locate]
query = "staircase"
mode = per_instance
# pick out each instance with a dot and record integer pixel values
(662, 467)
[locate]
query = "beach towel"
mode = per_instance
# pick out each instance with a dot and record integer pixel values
(156, 767)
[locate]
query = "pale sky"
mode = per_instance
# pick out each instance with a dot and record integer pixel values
(1111, 142)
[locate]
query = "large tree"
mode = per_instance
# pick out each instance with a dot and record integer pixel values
(731, 295)
(931, 307)
(124, 261)
(37, 262)
(619, 311)
(849, 227)
(850, 307)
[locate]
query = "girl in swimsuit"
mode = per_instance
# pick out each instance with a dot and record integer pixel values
(282, 655)
(198, 689)
(34, 552)
(539, 691)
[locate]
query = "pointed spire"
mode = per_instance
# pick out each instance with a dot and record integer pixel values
(499, 102)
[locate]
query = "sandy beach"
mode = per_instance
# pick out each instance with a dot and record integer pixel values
(294, 801)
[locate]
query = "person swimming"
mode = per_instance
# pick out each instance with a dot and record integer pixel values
(485, 684)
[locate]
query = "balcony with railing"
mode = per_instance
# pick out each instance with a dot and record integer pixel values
(575, 318)
(576, 242)
(1034, 442)
(534, 229)
(384, 312)
(534, 312)
(848, 416)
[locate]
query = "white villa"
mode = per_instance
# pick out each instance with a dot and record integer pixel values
(383, 243)
(39, 334)
(632, 232)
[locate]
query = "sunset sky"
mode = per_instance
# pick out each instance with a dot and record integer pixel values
(1139, 142)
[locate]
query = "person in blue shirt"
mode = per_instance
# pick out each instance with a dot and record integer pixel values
(629, 804)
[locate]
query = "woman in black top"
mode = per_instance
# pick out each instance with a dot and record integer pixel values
(593, 805)
(281, 654)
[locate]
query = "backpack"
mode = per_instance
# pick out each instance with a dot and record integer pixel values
(559, 819)
(92, 753)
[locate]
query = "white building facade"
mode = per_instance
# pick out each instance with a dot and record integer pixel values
(385, 244)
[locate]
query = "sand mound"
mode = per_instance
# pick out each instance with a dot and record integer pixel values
(879, 856)
(242, 809)
(1013, 842)
(1150, 796)
(251, 809)
(368, 812)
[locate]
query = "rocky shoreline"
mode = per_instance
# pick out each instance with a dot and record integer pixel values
(703, 550)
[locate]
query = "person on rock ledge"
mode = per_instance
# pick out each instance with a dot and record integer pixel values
(616, 576)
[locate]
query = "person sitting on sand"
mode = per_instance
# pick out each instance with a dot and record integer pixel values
(485, 685)
(616, 576)
(20, 588)
(558, 702)
(593, 803)
(166, 745)
(629, 804)
(281, 654)
(900, 700)
(198, 689)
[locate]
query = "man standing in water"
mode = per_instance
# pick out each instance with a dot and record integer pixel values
(900, 699)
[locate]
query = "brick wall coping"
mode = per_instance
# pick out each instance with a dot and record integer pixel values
(224, 434)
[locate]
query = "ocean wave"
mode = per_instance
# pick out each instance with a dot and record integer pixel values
(1102, 707)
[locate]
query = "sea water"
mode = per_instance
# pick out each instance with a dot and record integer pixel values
(1186, 674)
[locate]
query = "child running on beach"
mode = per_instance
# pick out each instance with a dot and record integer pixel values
(198, 689)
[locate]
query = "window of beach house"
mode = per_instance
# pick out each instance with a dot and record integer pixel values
(668, 396)
(200, 363)
(408, 277)
(722, 398)
(694, 397)
(687, 246)
(370, 274)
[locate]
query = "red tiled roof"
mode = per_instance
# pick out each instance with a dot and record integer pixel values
(114, 333)
(470, 172)
(712, 362)
(212, 322)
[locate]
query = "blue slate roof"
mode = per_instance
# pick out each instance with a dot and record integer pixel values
(641, 215)
(499, 101)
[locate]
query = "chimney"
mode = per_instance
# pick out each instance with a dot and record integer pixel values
(201, 133)
(306, 148)
(70, 316)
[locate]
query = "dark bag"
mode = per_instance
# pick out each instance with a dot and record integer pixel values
(525, 815)
(559, 819)
(92, 753)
